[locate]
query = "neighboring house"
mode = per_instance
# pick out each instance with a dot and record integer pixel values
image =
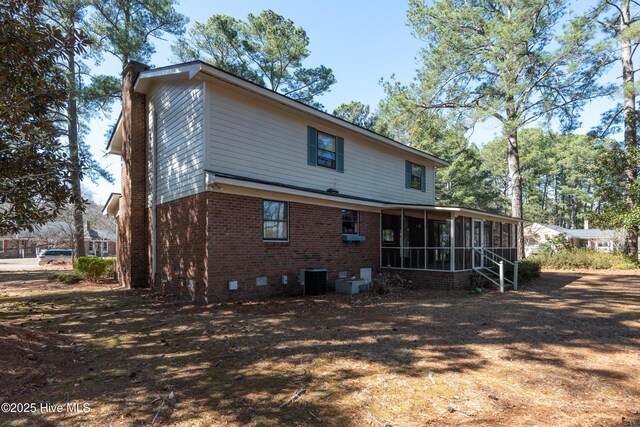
(20, 245)
(230, 189)
(100, 243)
(56, 234)
(592, 238)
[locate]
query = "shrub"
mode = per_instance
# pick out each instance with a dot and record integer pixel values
(528, 269)
(93, 268)
(69, 278)
(585, 259)
(387, 281)
(556, 244)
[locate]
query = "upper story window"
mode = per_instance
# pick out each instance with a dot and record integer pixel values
(350, 222)
(325, 149)
(415, 176)
(275, 217)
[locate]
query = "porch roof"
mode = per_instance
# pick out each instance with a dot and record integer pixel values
(475, 213)
(214, 177)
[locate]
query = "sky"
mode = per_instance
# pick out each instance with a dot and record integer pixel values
(362, 41)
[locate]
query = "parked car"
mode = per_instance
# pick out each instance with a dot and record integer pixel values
(50, 255)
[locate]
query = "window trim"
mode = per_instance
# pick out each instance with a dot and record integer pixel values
(285, 220)
(357, 221)
(335, 150)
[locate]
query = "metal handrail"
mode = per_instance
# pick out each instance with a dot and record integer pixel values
(515, 268)
(498, 256)
(498, 274)
(479, 252)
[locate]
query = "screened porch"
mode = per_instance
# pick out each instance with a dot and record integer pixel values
(444, 239)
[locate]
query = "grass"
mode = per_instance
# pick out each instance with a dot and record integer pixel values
(561, 351)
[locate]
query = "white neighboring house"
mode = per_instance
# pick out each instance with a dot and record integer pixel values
(592, 238)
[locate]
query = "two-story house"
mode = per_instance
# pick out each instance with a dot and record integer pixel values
(229, 189)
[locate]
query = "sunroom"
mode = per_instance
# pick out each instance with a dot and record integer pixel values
(449, 243)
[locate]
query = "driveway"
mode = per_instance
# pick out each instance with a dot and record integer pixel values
(19, 264)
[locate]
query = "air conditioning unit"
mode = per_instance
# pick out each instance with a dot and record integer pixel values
(353, 238)
(314, 280)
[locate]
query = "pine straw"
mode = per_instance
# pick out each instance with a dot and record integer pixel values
(565, 350)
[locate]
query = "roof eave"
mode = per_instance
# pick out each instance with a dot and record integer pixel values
(112, 205)
(115, 141)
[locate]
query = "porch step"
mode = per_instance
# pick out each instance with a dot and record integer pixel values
(491, 277)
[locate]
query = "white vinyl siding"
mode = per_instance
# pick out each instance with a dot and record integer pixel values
(176, 123)
(251, 137)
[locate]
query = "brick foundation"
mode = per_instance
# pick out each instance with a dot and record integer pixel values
(443, 280)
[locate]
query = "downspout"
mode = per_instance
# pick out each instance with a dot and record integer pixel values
(153, 196)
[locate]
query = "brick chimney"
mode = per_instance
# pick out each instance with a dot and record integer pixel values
(133, 229)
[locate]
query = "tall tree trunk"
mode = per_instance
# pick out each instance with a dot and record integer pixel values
(543, 205)
(72, 112)
(513, 158)
(630, 128)
(555, 199)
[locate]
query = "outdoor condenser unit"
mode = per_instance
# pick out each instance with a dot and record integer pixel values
(314, 281)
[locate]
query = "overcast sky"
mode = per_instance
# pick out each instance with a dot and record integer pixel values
(362, 41)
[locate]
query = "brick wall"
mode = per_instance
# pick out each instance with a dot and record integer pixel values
(133, 225)
(207, 239)
(181, 247)
(238, 252)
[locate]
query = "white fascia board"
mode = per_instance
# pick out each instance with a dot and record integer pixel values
(115, 142)
(177, 72)
(224, 184)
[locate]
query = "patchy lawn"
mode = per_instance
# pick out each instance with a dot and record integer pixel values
(564, 350)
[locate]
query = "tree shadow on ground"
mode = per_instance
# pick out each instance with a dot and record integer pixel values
(244, 361)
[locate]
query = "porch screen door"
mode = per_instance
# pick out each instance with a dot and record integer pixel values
(477, 236)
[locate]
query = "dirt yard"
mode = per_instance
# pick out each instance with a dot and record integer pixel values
(563, 351)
